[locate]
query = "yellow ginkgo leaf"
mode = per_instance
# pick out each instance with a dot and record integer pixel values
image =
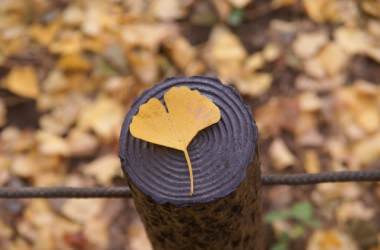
(188, 112)
(23, 81)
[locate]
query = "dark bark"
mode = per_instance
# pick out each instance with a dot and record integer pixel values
(225, 210)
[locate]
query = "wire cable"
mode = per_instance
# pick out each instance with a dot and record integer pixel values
(124, 192)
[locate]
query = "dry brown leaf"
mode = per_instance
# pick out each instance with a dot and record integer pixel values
(239, 3)
(254, 62)
(333, 59)
(55, 82)
(282, 3)
(83, 210)
(3, 113)
(354, 210)
(309, 102)
(73, 15)
(103, 116)
(44, 34)
(311, 162)
(367, 150)
(307, 45)
(330, 239)
(314, 68)
(188, 112)
(255, 84)
(372, 7)
(68, 42)
(181, 52)
(23, 81)
(138, 239)
(145, 65)
(332, 10)
(280, 155)
(315, 9)
(51, 144)
(15, 140)
(271, 52)
(353, 40)
(225, 52)
(96, 231)
(167, 10)
(24, 165)
(60, 119)
(74, 62)
(81, 143)
(104, 168)
(147, 35)
(326, 192)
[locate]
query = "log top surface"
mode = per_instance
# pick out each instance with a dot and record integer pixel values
(219, 154)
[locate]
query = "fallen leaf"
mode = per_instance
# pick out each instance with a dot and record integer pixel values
(167, 10)
(44, 34)
(372, 7)
(308, 44)
(239, 3)
(3, 113)
(73, 15)
(55, 82)
(255, 84)
(147, 35)
(367, 150)
(144, 64)
(331, 239)
(51, 144)
(333, 59)
(23, 82)
(282, 3)
(354, 210)
(103, 116)
(332, 10)
(82, 210)
(309, 102)
(104, 168)
(81, 143)
(254, 62)
(271, 52)
(311, 162)
(24, 166)
(138, 239)
(225, 52)
(353, 40)
(68, 42)
(181, 52)
(280, 155)
(188, 113)
(74, 62)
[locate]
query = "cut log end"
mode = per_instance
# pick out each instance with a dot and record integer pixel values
(219, 154)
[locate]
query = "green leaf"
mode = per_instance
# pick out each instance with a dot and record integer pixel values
(314, 223)
(302, 211)
(297, 231)
(283, 245)
(236, 17)
(276, 216)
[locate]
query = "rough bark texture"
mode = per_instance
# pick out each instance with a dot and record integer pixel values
(229, 223)
(224, 212)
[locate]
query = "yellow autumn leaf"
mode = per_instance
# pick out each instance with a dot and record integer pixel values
(23, 81)
(75, 62)
(188, 112)
(44, 34)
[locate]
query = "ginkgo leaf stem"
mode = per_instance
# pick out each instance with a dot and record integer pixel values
(190, 170)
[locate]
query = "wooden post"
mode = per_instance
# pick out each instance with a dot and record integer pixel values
(225, 210)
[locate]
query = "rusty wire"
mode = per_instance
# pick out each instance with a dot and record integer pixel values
(124, 192)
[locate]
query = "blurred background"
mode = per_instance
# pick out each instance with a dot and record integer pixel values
(69, 71)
